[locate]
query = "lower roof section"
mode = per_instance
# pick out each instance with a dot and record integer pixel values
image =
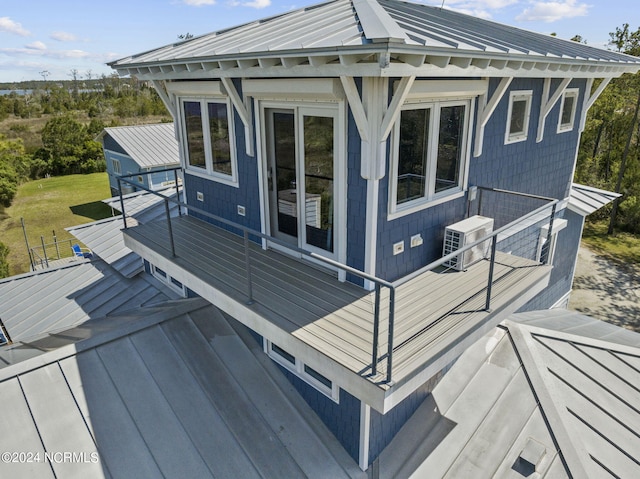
(546, 394)
(171, 391)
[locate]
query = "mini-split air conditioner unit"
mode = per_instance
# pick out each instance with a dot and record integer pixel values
(465, 232)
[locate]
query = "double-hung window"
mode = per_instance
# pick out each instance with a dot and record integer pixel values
(208, 134)
(430, 154)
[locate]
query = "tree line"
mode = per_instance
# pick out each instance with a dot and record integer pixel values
(609, 154)
(78, 112)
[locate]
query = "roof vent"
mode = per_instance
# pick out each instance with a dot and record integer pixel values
(530, 458)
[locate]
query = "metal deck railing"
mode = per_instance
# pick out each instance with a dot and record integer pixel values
(250, 234)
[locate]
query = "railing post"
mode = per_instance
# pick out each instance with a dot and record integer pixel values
(547, 245)
(392, 309)
(55, 242)
(494, 242)
(175, 176)
(247, 263)
(124, 216)
(376, 329)
(44, 251)
(170, 228)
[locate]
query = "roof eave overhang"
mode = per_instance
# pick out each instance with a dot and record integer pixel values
(375, 59)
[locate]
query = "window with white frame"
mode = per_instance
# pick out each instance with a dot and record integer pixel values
(305, 372)
(430, 153)
(170, 281)
(568, 110)
(117, 168)
(208, 135)
(518, 116)
(550, 251)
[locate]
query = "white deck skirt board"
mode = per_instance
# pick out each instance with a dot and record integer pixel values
(329, 324)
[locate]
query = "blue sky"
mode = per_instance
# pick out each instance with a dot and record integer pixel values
(59, 36)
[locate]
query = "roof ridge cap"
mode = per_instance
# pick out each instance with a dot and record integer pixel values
(377, 24)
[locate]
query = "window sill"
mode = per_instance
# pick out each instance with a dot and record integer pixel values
(225, 180)
(423, 205)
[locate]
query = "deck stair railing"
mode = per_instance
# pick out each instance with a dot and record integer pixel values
(250, 235)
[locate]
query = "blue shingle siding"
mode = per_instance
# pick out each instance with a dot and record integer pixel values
(383, 428)
(127, 166)
(343, 419)
(429, 223)
(111, 144)
(543, 168)
(564, 259)
(356, 200)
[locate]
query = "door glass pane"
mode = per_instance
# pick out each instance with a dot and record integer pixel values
(195, 140)
(219, 132)
(318, 179)
(284, 147)
(450, 147)
(412, 155)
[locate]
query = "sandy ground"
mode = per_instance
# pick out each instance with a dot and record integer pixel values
(607, 290)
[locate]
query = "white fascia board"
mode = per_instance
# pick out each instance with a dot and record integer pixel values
(198, 88)
(300, 88)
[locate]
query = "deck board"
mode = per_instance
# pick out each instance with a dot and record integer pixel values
(433, 311)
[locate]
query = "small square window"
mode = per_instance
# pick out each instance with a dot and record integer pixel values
(518, 116)
(290, 358)
(568, 110)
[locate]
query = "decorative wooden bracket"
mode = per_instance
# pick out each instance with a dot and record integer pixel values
(375, 122)
(485, 111)
(590, 98)
(549, 102)
(243, 112)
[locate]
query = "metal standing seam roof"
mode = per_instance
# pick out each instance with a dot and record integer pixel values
(148, 145)
(555, 386)
(585, 200)
(50, 301)
(172, 391)
(411, 33)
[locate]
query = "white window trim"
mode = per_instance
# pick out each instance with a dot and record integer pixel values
(208, 172)
(117, 166)
(558, 225)
(166, 279)
(298, 369)
(563, 128)
(430, 199)
(518, 95)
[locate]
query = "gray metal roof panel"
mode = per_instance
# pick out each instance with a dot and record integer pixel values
(136, 392)
(585, 200)
(54, 300)
(148, 145)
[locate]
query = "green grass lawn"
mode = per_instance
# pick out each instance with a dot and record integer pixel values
(49, 205)
(621, 246)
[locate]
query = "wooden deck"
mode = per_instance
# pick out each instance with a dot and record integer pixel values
(434, 312)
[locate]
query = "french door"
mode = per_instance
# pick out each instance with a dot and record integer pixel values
(301, 162)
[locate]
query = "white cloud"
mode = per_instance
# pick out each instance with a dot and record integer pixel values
(63, 36)
(198, 3)
(257, 3)
(553, 11)
(39, 46)
(9, 26)
(40, 49)
(476, 8)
